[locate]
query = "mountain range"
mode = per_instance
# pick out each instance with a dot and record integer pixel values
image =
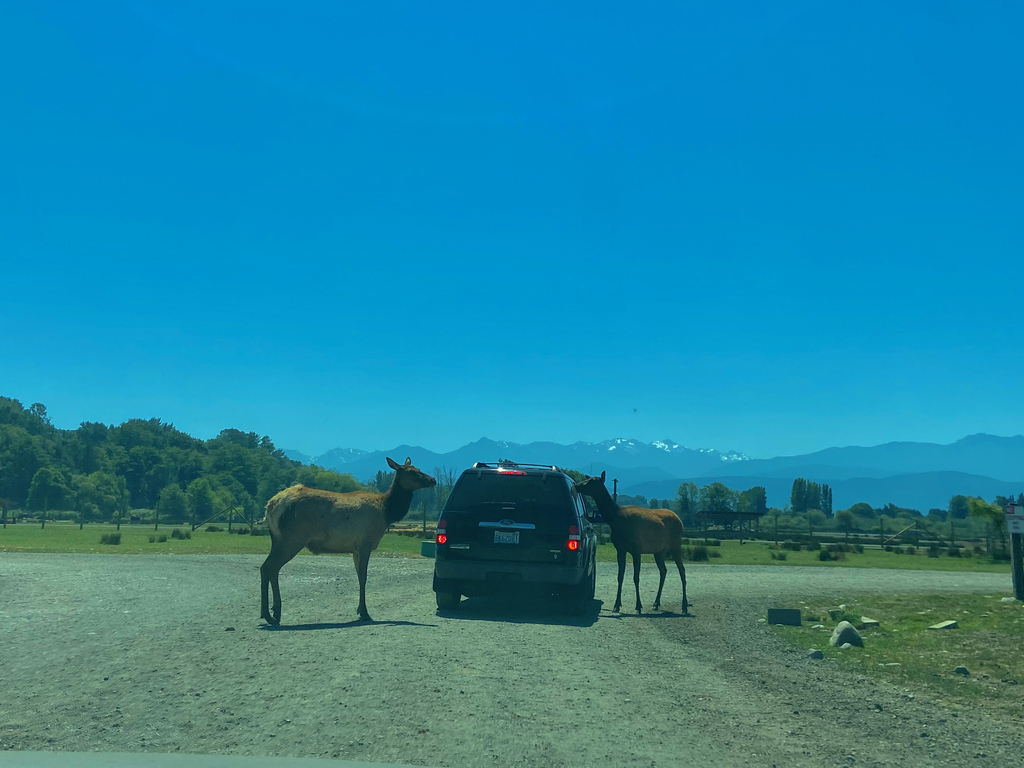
(909, 474)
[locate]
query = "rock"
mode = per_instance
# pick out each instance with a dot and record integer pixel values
(945, 625)
(229, 629)
(1008, 600)
(961, 671)
(844, 633)
(866, 622)
(818, 626)
(816, 654)
(846, 646)
(842, 607)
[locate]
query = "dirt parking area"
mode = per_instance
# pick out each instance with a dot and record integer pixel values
(165, 654)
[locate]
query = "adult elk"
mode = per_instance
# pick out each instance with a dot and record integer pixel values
(322, 521)
(639, 531)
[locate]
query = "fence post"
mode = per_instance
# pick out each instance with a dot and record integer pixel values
(1017, 564)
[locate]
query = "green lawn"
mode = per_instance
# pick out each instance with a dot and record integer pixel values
(65, 537)
(759, 553)
(903, 651)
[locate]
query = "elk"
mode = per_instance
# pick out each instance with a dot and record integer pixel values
(322, 521)
(639, 531)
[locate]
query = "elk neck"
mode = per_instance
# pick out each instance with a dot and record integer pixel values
(397, 500)
(606, 505)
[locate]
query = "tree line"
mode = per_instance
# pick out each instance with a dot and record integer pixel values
(100, 471)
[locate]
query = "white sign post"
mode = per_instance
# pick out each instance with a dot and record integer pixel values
(1015, 526)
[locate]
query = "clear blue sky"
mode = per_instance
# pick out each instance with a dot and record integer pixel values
(766, 227)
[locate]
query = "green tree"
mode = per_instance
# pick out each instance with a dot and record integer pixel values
(992, 515)
(718, 497)
(200, 500)
(826, 500)
(687, 500)
(958, 508)
(862, 510)
(49, 490)
(845, 522)
(172, 506)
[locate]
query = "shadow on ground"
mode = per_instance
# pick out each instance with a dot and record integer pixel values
(517, 610)
(340, 625)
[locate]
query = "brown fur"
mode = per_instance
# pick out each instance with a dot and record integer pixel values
(639, 531)
(322, 521)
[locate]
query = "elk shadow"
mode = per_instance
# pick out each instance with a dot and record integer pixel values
(510, 609)
(339, 625)
(648, 614)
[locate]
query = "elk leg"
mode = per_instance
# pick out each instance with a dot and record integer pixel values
(682, 578)
(660, 560)
(280, 553)
(636, 580)
(621, 554)
(361, 558)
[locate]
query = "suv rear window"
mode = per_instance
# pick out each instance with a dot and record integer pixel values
(477, 493)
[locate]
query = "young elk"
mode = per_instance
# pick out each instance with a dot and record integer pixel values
(639, 531)
(323, 521)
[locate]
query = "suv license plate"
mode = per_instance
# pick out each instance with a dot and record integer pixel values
(503, 537)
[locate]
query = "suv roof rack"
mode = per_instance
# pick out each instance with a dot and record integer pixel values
(506, 463)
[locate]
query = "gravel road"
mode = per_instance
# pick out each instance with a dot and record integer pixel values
(131, 653)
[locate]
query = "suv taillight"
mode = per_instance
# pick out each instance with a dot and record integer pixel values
(574, 538)
(442, 532)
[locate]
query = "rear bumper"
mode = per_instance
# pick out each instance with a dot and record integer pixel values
(490, 577)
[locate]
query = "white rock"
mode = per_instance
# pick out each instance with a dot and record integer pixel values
(945, 625)
(845, 633)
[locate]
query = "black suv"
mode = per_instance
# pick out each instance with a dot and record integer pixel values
(513, 528)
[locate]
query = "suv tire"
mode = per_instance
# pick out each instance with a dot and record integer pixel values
(448, 601)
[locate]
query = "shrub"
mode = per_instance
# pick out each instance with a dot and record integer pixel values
(978, 550)
(953, 551)
(1001, 557)
(849, 616)
(714, 553)
(712, 542)
(839, 548)
(177, 533)
(686, 542)
(778, 555)
(110, 538)
(213, 529)
(859, 548)
(888, 547)
(792, 546)
(696, 554)
(162, 538)
(933, 550)
(898, 550)
(824, 555)
(813, 546)
(967, 553)
(152, 538)
(260, 532)
(911, 550)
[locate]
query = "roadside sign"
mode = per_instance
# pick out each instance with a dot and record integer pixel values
(1014, 518)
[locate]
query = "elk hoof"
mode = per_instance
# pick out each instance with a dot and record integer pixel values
(364, 616)
(657, 606)
(272, 620)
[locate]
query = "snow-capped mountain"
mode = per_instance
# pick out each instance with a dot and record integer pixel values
(658, 459)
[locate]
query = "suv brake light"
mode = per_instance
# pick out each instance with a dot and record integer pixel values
(442, 532)
(574, 538)
(510, 472)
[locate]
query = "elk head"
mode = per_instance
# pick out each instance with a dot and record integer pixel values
(590, 485)
(409, 477)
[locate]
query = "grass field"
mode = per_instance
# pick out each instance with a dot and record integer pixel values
(903, 651)
(66, 537)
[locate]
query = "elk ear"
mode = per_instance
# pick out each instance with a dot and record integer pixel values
(391, 463)
(602, 476)
(408, 461)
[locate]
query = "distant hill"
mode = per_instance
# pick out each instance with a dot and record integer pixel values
(921, 490)
(987, 455)
(916, 475)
